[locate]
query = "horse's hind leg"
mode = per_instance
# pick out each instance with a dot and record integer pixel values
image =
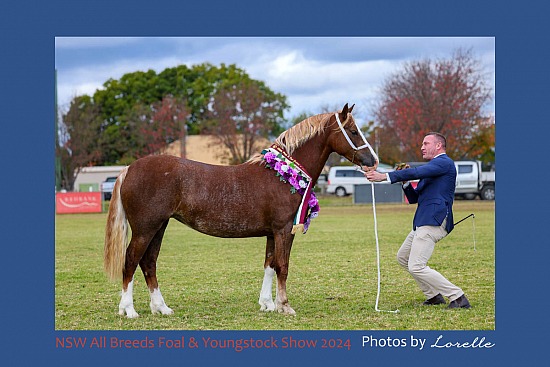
(148, 265)
(266, 297)
(134, 252)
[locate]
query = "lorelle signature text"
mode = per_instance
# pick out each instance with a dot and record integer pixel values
(370, 341)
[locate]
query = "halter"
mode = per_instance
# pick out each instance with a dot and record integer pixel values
(355, 149)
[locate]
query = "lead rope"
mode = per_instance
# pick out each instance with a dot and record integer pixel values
(377, 251)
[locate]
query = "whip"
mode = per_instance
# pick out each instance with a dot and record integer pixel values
(473, 226)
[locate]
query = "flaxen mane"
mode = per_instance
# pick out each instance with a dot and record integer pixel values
(298, 134)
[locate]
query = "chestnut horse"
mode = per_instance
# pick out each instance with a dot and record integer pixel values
(245, 200)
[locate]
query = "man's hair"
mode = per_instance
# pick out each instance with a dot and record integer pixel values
(439, 138)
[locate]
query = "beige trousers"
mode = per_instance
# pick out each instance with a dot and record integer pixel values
(414, 254)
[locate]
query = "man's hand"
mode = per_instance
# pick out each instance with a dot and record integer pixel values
(374, 176)
(401, 166)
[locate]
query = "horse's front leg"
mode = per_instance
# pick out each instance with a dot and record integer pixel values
(266, 297)
(283, 245)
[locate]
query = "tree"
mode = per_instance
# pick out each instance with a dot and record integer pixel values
(161, 124)
(239, 116)
(125, 102)
(445, 95)
(81, 126)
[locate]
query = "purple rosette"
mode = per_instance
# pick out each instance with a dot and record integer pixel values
(269, 157)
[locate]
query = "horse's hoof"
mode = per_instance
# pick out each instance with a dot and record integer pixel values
(286, 310)
(267, 306)
(130, 313)
(163, 310)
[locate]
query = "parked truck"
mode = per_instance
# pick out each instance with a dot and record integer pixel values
(472, 181)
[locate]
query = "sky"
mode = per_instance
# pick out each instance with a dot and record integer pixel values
(313, 72)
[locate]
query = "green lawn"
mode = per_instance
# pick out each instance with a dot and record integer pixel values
(214, 283)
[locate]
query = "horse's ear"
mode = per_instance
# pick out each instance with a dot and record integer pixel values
(344, 113)
(351, 108)
(345, 110)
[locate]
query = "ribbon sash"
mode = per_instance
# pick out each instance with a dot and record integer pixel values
(290, 171)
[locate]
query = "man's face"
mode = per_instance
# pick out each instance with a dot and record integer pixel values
(430, 148)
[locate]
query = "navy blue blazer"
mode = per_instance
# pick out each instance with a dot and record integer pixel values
(434, 193)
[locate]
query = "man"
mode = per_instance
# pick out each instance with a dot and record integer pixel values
(432, 221)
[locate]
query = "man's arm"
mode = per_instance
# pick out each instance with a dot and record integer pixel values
(436, 167)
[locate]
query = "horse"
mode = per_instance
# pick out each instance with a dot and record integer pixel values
(245, 200)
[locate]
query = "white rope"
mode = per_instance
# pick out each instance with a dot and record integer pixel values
(377, 251)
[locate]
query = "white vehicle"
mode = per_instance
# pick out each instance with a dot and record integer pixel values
(107, 187)
(471, 181)
(341, 179)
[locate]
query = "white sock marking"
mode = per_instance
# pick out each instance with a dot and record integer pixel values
(157, 303)
(126, 304)
(266, 300)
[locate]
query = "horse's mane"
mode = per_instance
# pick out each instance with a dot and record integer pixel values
(300, 133)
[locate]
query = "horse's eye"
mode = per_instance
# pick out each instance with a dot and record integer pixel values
(354, 132)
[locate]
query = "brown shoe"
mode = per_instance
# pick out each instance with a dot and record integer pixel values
(460, 302)
(436, 300)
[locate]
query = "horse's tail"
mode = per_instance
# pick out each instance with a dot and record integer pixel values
(116, 233)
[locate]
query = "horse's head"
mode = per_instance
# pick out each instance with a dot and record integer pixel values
(347, 139)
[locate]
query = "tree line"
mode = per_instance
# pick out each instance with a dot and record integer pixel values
(142, 112)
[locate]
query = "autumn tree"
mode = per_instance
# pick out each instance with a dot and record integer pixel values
(446, 95)
(239, 116)
(79, 145)
(159, 124)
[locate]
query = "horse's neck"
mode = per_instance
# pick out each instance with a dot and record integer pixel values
(312, 156)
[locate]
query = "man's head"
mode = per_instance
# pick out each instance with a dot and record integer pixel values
(432, 145)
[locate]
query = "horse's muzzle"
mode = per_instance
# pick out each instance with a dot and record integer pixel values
(370, 163)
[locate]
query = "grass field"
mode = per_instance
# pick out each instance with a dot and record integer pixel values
(214, 284)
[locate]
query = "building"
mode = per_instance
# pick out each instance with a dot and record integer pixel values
(201, 148)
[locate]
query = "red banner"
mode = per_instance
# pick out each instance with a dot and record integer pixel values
(78, 202)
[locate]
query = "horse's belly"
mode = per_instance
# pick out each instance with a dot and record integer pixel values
(227, 226)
